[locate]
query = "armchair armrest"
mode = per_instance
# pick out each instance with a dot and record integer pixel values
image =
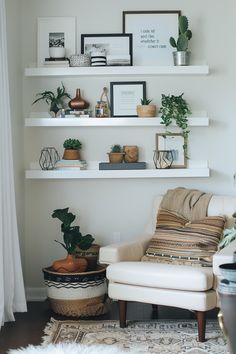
(124, 251)
(223, 256)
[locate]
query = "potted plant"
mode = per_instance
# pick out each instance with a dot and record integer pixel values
(145, 109)
(182, 54)
(56, 101)
(175, 108)
(116, 155)
(72, 238)
(75, 291)
(72, 147)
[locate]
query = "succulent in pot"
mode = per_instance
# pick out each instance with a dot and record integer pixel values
(56, 101)
(72, 149)
(116, 155)
(72, 238)
(145, 109)
(182, 54)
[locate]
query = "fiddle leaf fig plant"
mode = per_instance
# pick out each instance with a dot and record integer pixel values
(72, 236)
(175, 108)
(56, 101)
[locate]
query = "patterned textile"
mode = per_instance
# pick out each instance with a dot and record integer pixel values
(179, 241)
(160, 337)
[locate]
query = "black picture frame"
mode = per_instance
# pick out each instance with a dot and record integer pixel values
(151, 31)
(123, 103)
(127, 38)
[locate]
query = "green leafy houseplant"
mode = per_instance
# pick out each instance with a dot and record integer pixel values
(181, 44)
(175, 108)
(73, 144)
(56, 101)
(71, 234)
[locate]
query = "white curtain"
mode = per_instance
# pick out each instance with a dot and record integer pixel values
(12, 295)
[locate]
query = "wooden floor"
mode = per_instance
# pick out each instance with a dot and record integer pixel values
(28, 327)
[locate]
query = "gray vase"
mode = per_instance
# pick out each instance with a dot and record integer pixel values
(181, 58)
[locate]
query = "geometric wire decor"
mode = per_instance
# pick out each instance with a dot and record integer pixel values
(48, 158)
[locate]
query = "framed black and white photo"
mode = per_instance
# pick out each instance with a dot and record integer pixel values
(55, 32)
(125, 96)
(174, 142)
(151, 33)
(117, 48)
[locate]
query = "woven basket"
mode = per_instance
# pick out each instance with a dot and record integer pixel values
(77, 294)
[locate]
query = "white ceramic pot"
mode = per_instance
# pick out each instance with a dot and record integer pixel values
(57, 52)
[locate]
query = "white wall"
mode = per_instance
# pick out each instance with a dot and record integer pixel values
(105, 206)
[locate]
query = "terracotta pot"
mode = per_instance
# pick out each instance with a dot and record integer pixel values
(116, 157)
(78, 102)
(71, 154)
(131, 153)
(91, 255)
(70, 264)
(149, 110)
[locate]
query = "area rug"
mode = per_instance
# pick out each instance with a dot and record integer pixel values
(164, 337)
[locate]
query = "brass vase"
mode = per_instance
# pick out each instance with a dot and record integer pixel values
(78, 102)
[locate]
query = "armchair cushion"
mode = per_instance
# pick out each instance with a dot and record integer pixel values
(162, 276)
(179, 241)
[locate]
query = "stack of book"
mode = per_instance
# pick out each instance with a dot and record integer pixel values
(57, 62)
(63, 165)
(78, 113)
(118, 60)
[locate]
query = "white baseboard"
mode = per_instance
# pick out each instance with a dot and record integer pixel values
(35, 294)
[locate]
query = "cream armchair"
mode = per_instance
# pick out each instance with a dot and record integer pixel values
(192, 288)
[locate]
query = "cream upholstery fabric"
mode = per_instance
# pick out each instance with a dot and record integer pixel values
(164, 284)
(159, 275)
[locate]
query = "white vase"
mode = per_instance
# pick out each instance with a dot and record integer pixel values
(57, 52)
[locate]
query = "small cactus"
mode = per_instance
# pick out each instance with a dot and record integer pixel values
(185, 35)
(116, 148)
(145, 101)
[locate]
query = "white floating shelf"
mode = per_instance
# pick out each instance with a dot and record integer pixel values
(194, 121)
(103, 174)
(119, 71)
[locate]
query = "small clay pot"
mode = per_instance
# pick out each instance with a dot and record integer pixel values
(131, 153)
(116, 157)
(71, 154)
(149, 110)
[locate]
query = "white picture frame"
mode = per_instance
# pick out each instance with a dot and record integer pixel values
(151, 32)
(60, 25)
(174, 142)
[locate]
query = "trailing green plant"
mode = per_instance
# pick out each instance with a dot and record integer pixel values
(56, 101)
(73, 144)
(175, 108)
(72, 236)
(184, 35)
(145, 101)
(116, 148)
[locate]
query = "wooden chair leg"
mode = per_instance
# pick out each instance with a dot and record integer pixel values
(201, 321)
(122, 312)
(154, 311)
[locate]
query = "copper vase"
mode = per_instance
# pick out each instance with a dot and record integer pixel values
(78, 102)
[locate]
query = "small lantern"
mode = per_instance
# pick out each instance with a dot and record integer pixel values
(163, 158)
(48, 158)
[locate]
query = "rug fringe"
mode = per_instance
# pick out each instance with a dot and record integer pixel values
(48, 331)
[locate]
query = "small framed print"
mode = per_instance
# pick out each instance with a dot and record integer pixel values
(151, 32)
(125, 96)
(55, 32)
(116, 47)
(174, 142)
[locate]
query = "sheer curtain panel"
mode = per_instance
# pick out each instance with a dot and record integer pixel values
(12, 294)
